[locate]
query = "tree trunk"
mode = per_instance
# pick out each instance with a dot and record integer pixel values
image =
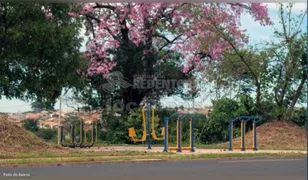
(295, 98)
(258, 100)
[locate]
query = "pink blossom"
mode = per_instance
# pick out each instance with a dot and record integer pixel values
(117, 44)
(73, 14)
(260, 13)
(143, 20)
(49, 16)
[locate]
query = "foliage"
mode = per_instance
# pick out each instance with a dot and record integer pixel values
(47, 134)
(116, 130)
(156, 39)
(145, 26)
(275, 74)
(30, 125)
(40, 106)
(216, 127)
(299, 117)
(39, 50)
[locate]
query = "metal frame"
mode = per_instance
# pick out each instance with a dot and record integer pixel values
(144, 127)
(148, 133)
(153, 133)
(244, 120)
(148, 126)
(179, 121)
(82, 142)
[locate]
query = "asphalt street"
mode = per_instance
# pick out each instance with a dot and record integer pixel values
(262, 168)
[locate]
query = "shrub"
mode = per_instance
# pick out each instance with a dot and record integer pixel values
(47, 134)
(299, 117)
(30, 125)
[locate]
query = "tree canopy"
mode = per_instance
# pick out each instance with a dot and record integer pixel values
(175, 40)
(39, 55)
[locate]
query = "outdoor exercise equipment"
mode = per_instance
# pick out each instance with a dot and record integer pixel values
(243, 120)
(86, 144)
(153, 133)
(147, 130)
(132, 132)
(82, 143)
(179, 120)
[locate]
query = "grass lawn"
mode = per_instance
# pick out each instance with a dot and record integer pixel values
(120, 156)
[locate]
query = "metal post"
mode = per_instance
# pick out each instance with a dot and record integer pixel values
(254, 135)
(73, 134)
(96, 132)
(61, 134)
(166, 135)
(148, 125)
(93, 135)
(230, 135)
(179, 135)
(82, 132)
(59, 125)
(192, 134)
(243, 135)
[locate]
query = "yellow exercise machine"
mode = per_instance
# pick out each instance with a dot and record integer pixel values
(147, 133)
(132, 132)
(153, 133)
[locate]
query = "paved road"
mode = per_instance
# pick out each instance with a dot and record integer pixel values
(263, 169)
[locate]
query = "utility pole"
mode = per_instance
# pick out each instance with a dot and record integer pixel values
(59, 125)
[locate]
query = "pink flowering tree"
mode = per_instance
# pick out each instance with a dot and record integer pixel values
(147, 38)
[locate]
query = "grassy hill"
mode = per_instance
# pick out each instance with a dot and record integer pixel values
(14, 139)
(274, 135)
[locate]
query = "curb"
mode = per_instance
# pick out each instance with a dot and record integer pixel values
(146, 161)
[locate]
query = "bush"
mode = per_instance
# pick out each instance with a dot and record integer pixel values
(30, 125)
(116, 127)
(299, 117)
(47, 134)
(216, 127)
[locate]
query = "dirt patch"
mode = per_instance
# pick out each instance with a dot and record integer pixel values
(14, 139)
(275, 135)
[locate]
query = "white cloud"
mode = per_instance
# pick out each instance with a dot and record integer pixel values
(297, 7)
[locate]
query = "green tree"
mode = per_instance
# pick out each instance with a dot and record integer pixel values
(39, 54)
(216, 127)
(131, 64)
(40, 106)
(277, 72)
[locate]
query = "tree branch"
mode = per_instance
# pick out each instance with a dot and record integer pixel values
(92, 26)
(167, 40)
(240, 5)
(104, 6)
(91, 16)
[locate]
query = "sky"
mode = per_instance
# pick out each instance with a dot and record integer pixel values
(257, 34)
